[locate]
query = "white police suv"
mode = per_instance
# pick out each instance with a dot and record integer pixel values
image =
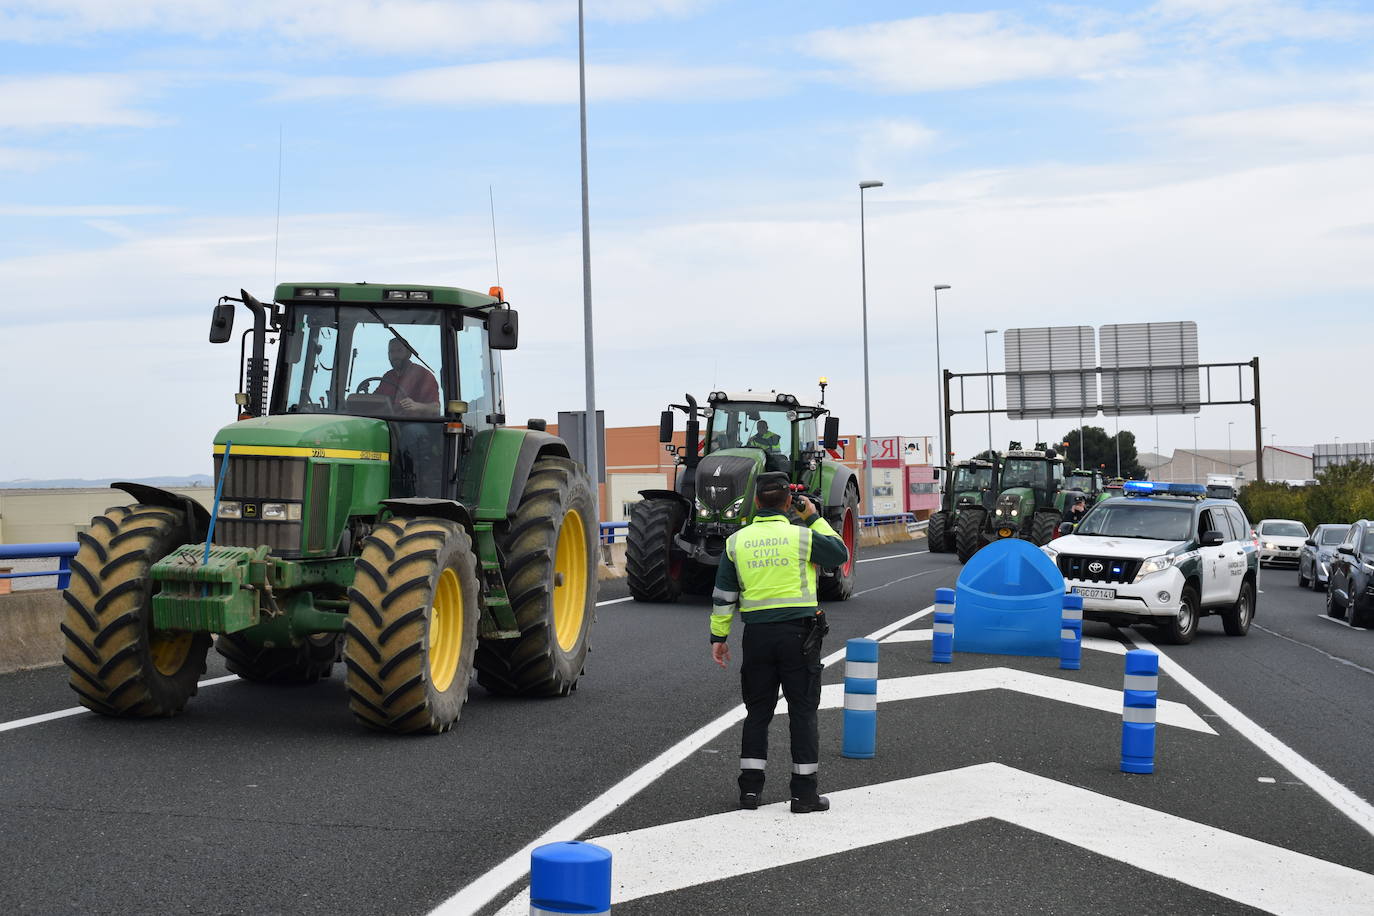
(1163, 554)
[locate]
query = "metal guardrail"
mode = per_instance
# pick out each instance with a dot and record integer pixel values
(63, 551)
(613, 531)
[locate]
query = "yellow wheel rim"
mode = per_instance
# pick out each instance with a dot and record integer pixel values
(169, 651)
(570, 581)
(445, 631)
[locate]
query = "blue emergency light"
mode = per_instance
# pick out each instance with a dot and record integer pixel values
(1160, 488)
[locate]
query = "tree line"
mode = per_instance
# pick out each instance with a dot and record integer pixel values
(1343, 494)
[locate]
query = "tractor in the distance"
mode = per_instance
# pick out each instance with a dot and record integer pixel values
(676, 536)
(1091, 484)
(372, 509)
(1030, 504)
(972, 483)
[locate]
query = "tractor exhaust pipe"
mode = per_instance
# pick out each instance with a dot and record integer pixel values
(692, 457)
(257, 363)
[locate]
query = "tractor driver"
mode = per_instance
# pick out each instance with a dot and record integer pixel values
(412, 388)
(764, 438)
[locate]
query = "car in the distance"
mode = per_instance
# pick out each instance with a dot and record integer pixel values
(1350, 586)
(1314, 560)
(1163, 554)
(1281, 540)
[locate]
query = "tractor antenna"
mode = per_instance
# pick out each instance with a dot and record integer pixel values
(496, 252)
(276, 241)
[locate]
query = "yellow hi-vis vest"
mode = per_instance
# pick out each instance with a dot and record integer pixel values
(771, 558)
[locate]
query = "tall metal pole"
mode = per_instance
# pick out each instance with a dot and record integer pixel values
(987, 367)
(942, 392)
(589, 436)
(1230, 458)
(1195, 450)
(1259, 430)
(863, 290)
(1118, 446)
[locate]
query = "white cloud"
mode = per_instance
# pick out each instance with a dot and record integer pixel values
(19, 159)
(1328, 127)
(91, 211)
(542, 81)
(1236, 22)
(87, 100)
(964, 50)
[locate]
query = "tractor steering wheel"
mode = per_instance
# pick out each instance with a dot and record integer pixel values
(364, 387)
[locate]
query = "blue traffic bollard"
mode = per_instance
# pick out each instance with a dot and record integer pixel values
(1138, 711)
(1071, 633)
(570, 878)
(860, 698)
(942, 639)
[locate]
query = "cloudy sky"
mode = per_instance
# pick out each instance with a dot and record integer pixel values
(1054, 163)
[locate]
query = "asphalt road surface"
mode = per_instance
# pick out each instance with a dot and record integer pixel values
(996, 786)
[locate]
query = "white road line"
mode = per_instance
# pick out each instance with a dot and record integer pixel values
(1338, 622)
(914, 553)
(1298, 642)
(1344, 800)
(1089, 642)
(615, 601)
(652, 860)
(78, 710)
(485, 889)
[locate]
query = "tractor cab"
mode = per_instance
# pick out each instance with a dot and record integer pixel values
(784, 431)
(1089, 483)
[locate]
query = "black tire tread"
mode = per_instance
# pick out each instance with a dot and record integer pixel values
(936, 531)
(648, 551)
(840, 587)
(968, 533)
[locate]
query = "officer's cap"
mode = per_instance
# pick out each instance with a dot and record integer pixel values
(772, 482)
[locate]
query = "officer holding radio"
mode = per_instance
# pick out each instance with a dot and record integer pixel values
(768, 571)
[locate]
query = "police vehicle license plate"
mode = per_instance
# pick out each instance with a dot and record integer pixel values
(1107, 593)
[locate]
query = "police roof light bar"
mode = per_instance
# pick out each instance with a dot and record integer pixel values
(1160, 488)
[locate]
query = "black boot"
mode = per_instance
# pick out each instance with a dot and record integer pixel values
(809, 805)
(749, 801)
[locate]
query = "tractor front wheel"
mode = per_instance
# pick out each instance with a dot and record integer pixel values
(412, 626)
(840, 586)
(968, 533)
(936, 529)
(549, 553)
(120, 665)
(653, 565)
(307, 663)
(1042, 527)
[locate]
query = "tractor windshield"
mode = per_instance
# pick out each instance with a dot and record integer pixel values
(750, 426)
(1079, 482)
(1025, 472)
(366, 361)
(966, 478)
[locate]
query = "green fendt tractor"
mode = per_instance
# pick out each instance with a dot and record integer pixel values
(1090, 483)
(972, 484)
(372, 508)
(1030, 504)
(676, 536)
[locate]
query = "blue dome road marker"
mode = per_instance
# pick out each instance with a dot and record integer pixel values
(570, 878)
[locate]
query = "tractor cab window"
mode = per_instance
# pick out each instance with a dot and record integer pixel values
(1025, 472)
(474, 374)
(806, 435)
(739, 426)
(972, 479)
(1078, 482)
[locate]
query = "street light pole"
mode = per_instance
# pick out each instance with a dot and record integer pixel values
(987, 367)
(863, 287)
(589, 435)
(940, 381)
(1230, 458)
(1195, 450)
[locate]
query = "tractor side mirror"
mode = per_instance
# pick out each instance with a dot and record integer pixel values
(665, 426)
(222, 323)
(831, 439)
(503, 329)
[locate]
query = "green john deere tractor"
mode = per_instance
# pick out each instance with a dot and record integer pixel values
(676, 536)
(972, 483)
(372, 509)
(1030, 504)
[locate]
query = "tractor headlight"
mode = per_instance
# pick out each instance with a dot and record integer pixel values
(1154, 565)
(998, 511)
(703, 511)
(1015, 512)
(282, 512)
(228, 509)
(735, 508)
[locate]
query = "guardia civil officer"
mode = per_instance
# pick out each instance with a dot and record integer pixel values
(768, 571)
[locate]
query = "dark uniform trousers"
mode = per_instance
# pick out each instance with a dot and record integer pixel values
(773, 658)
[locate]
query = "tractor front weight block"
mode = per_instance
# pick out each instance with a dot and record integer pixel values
(218, 595)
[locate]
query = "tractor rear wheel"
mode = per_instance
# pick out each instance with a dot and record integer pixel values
(120, 665)
(1042, 527)
(840, 586)
(936, 529)
(968, 533)
(412, 626)
(549, 551)
(307, 663)
(653, 565)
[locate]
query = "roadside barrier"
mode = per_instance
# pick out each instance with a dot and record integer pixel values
(1071, 633)
(860, 699)
(942, 639)
(1141, 695)
(62, 551)
(570, 878)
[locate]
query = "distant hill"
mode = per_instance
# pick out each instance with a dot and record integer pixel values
(189, 480)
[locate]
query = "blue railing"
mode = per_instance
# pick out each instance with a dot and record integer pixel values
(62, 551)
(610, 531)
